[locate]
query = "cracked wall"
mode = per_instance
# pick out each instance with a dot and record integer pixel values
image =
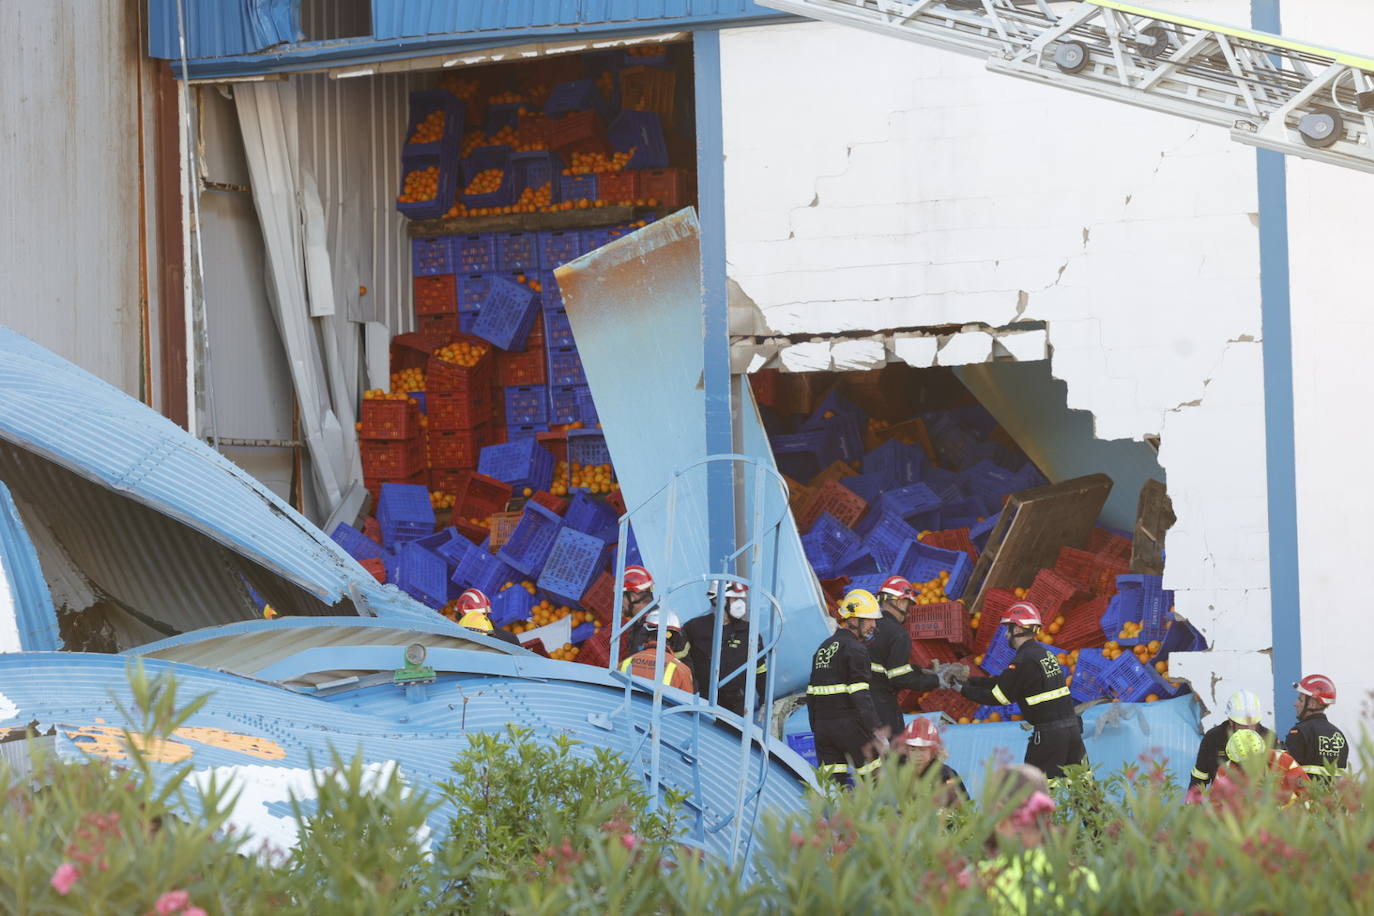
(872, 183)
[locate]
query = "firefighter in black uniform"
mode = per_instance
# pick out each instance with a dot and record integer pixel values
(890, 650)
(637, 593)
(839, 699)
(1035, 681)
(734, 651)
(1318, 746)
(1242, 712)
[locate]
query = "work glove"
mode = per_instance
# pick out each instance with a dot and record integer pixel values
(952, 675)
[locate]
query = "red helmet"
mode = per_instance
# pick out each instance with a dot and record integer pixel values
(1023, 614)
(474, 599)
(736, 590)
(637, 579)
(1319, 687)
(896, 586)
(922, 733)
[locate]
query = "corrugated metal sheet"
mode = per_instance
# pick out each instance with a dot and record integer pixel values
(69, 242)
(220, 28)
(413, 18)
(383, 724)
(35, 624)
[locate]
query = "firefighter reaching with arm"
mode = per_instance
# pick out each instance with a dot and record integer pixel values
(839, 699)
(890, 653)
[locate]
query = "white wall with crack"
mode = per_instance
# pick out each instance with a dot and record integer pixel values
(873, 184)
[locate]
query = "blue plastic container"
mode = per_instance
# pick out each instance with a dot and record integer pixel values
(577, 187)
(503, 196)
(1181, 638)
(587, 446)
(356, 544)
(558, 330)
(522, 464)
(887, 538)
(455, 549)
(1089, 676)
(527, 431)
(503, 114)
(1000, 654)
(869, 486)
(562, 404)
(900, 461)
(804, 743)
(431, 257)
(575, 559)
(486, 157)
(517, 251)
(559, 246)
(526, 405)
(511, 605)
(565, 367)
(641, 131)
(475, 253)
(483, 570)
(1006, 712)
(532, 539)
(424, 103)
(590, 515)
(535, 169)
(507, 314)
(827, 544)
(803, 455)
(574, 95)
(923, 562)
(423, 575)
(915, 503)
(553, 296)
(586, 406)
(404, 512)
(472, 291)
(582, 632)
(1131, 682)
(450, 176)
(979, 532)
(1141, 599)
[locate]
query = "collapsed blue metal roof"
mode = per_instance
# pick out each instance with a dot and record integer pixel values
(241, 37)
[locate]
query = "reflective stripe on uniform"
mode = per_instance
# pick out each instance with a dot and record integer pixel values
(869, 767)
(1319, 769)
(899, 671)
(877, 667)
(1047, 696)
(999, 696)
(668, 669)
(832, 689)
(763, 668)
(832, 769)
(1198, 774)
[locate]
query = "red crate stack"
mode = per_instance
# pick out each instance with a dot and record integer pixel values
(618, 187)
(995, 604)
(436, 295)
(1082, 627)
(1095, 572)
(951, 539)
(666, 188)
(1051, 592)
(834, 497)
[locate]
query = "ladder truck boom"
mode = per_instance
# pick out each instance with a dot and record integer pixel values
(1267, 90)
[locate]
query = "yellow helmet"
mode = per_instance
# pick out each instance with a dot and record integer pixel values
(860, 603)
(476, 620)
(1243, 743)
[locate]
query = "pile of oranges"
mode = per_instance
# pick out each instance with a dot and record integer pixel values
(462, 353)
(429, 130)
(377, 394)
(597, 163)
(503, 137)
(566, 652)
(532, 200)
(594, 477)
(420, 185)
(408, 380)
(471, 140)
(438, 499)
(506, 98)
(465, 89)
(559, 487)
(486, 181)
(932, 592)
(992, 717)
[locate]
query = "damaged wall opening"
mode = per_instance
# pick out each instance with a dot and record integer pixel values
(981, 486)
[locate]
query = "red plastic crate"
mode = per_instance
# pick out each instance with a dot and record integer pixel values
(1052, 592)
(995, 604)
(472, 531)
(373, 529)
(373, 485)
(618, 187)
(951, 539)
(457, 448)
(521, 369)
(837, 499)
(1082, 627)
(501, 526)
(388, 419)
(616, 501)
(475, 495)
(926, 652)
(948, 620)
(555, 504)
(556, 442)
(392, 458)
(950, 702)
(412, 351)
(440, 327)
(1093, 571)
(597, 650)
(665, 188)
(579, 132)
(466, 410)
(375, 566)
(533, 131)
(599, 598)
(1111, 547)
(649, 89)
(446, 377)
(436, 295)
(536, 338)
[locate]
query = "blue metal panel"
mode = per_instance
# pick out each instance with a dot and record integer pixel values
(415, 18)
(220, 28)
(422, 735)
(1285, 593)
(33, 611)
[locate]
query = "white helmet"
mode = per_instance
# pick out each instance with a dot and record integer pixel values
(1244, 708)
(657, 617)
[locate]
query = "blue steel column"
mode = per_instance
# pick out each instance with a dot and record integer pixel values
(715, 317)
(1279, 438)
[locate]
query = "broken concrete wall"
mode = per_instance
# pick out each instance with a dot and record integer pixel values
(874, 184)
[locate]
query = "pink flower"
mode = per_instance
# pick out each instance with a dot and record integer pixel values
(965, 878)
(64, 878)
(1194, 796)
(194, 911)
(172, 902)
(629, 840)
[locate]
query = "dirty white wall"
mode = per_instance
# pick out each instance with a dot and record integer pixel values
(872, 184)
(69, 146)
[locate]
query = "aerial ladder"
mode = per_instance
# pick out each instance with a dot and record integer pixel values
(1288, 96)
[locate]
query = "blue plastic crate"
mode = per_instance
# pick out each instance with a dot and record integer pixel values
(915, 503)
(1181, 638)
(562, 404)
(869, 486)
(553, 296)
(472, 291)
(483, 570)
(511, 605)
(846, 434)
(582, 632)
(1000, 654)
(590, 515)
(526, 405)
(423, 576)
(405, 503)
(507, 314)
(565, 367)
(450, 176)
(503, 114)
(522, 464)
(641, 131)
(979, 532)
(597, 238)
(1142, 599)
(804, 743)
(503, 196)
(1006, 712)
(475, 253)
(527, 431)
(455, 549)
(356, 544)
(833, 405)
(535, 169)
(575, 559)
(486, 157)
(517, 251)
(532, 539)
(988, 479)
(559, 246)
(558, 330)
(1089, 676)
(420, 401)
(578, 187)
(886, 539)
(923, 562)
(467, 320)
(586, 406)
(574, 95)
(431, 257)
(803, 455)
(1131, 682)
(424, 103)
(827, 544)
(587, 446)
(900, 461)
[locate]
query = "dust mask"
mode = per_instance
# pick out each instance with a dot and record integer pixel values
(735, 607)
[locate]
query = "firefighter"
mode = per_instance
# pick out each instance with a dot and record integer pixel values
(890, 650)
(1242, 712)
(921, 746)
(1035, 681)
(839, 699)
(644, 663)
(476, 609)
(1318, 746)
(734, 652)
(637, 593)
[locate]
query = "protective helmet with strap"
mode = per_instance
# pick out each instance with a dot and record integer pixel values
(1319, 687)
(637, 579)
(474, 599)
(922, 733)
(896, 586)
(860, 604)
(1244, 708)
(1023, 614)
(662, 618)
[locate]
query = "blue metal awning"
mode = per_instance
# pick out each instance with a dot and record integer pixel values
(228, 38)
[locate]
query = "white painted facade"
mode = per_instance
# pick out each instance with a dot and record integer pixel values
(877, 184)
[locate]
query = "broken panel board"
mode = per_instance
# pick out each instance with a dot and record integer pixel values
(1033, 526)
(1153, 519)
